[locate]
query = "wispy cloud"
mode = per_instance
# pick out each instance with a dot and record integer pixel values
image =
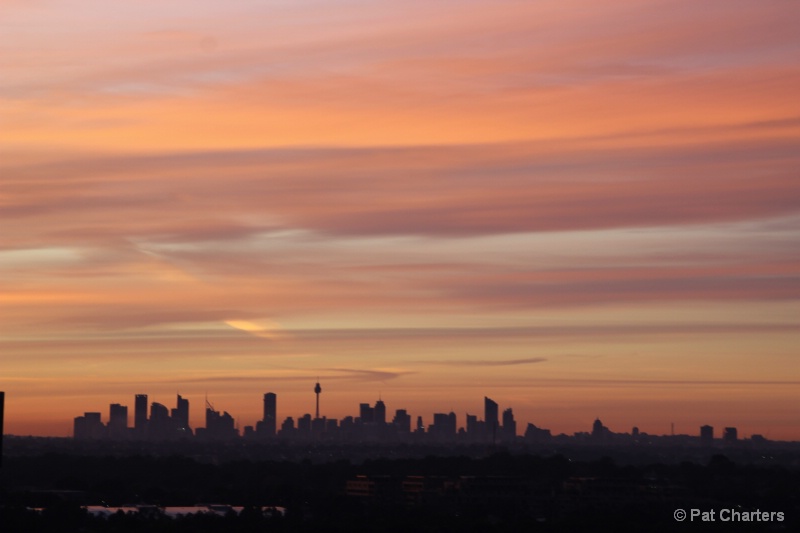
(486, 362)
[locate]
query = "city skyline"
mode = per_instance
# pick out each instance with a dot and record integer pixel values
(578, 209)
(371, 424)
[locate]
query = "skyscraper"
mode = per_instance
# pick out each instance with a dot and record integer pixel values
(117, 421)
(379, 412)
(707, 434)
(366, 413)
(180, 416)
(402, 421)
(159, 424)
(490, 417)
(509, 425)
(140, 415)
(270, 414)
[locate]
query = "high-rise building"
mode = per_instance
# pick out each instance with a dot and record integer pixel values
(88, 426)
(706, 434)
(366, 413)
(180, 416)
(509, 425)
(219, 426)
(379, 413)
(444, 426)
(730, 435)
(402, 421)
(140, 415)
(472, 425)
(118, 421)
(270, 419)
(490, 417)
(159, 425)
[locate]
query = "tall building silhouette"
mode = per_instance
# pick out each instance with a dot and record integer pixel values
(88, 426)
(509, 425)
(118, 421)
(707, 434)
(366, 413)
(140, 415)
(730, 435)
(402, 421)
(270, 419)
(490, 416)
(379, 412)
(159, 425)
(180, 416)
(219, 426)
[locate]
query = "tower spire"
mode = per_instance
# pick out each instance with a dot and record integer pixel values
(317, 390)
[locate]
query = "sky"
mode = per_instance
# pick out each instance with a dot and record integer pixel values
(577, 208)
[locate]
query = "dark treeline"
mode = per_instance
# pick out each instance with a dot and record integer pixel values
(499, 492)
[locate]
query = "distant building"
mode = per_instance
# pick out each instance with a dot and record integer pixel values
(599, 431)
(534, 434)
(160, 424)
(180, 417)
(304, 423)
(730, 435)
(706, 434)
(118, 421)
(443, 427)
(490, 416)
(270, 419)
(88, 427)
(509, 425)
(402, 421)
(219, 426)
(140, 415)
(379, 412)
(366, 413)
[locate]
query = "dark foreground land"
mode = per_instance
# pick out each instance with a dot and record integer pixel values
(45, 489)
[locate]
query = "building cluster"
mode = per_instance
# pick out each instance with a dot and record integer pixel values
(371, 425)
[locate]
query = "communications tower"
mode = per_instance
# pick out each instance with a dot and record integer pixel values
(317, 390)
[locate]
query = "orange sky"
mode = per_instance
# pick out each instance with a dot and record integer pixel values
(576, 208)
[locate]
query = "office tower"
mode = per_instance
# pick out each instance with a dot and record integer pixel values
(118, 421)
(366, 413)
(490, 416)
(599, 431)
(420, 425)
(317, 391)
(140, 415)
(270, 414)
(219, 426)
(706, 434)
(402, 421)
(379, 413)
(444, 426)
(287, 428)
(472, 424)
(158, 427)
(730, 435)
(180, 416)
(304, 423)
(509, 425)
(88, 427)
